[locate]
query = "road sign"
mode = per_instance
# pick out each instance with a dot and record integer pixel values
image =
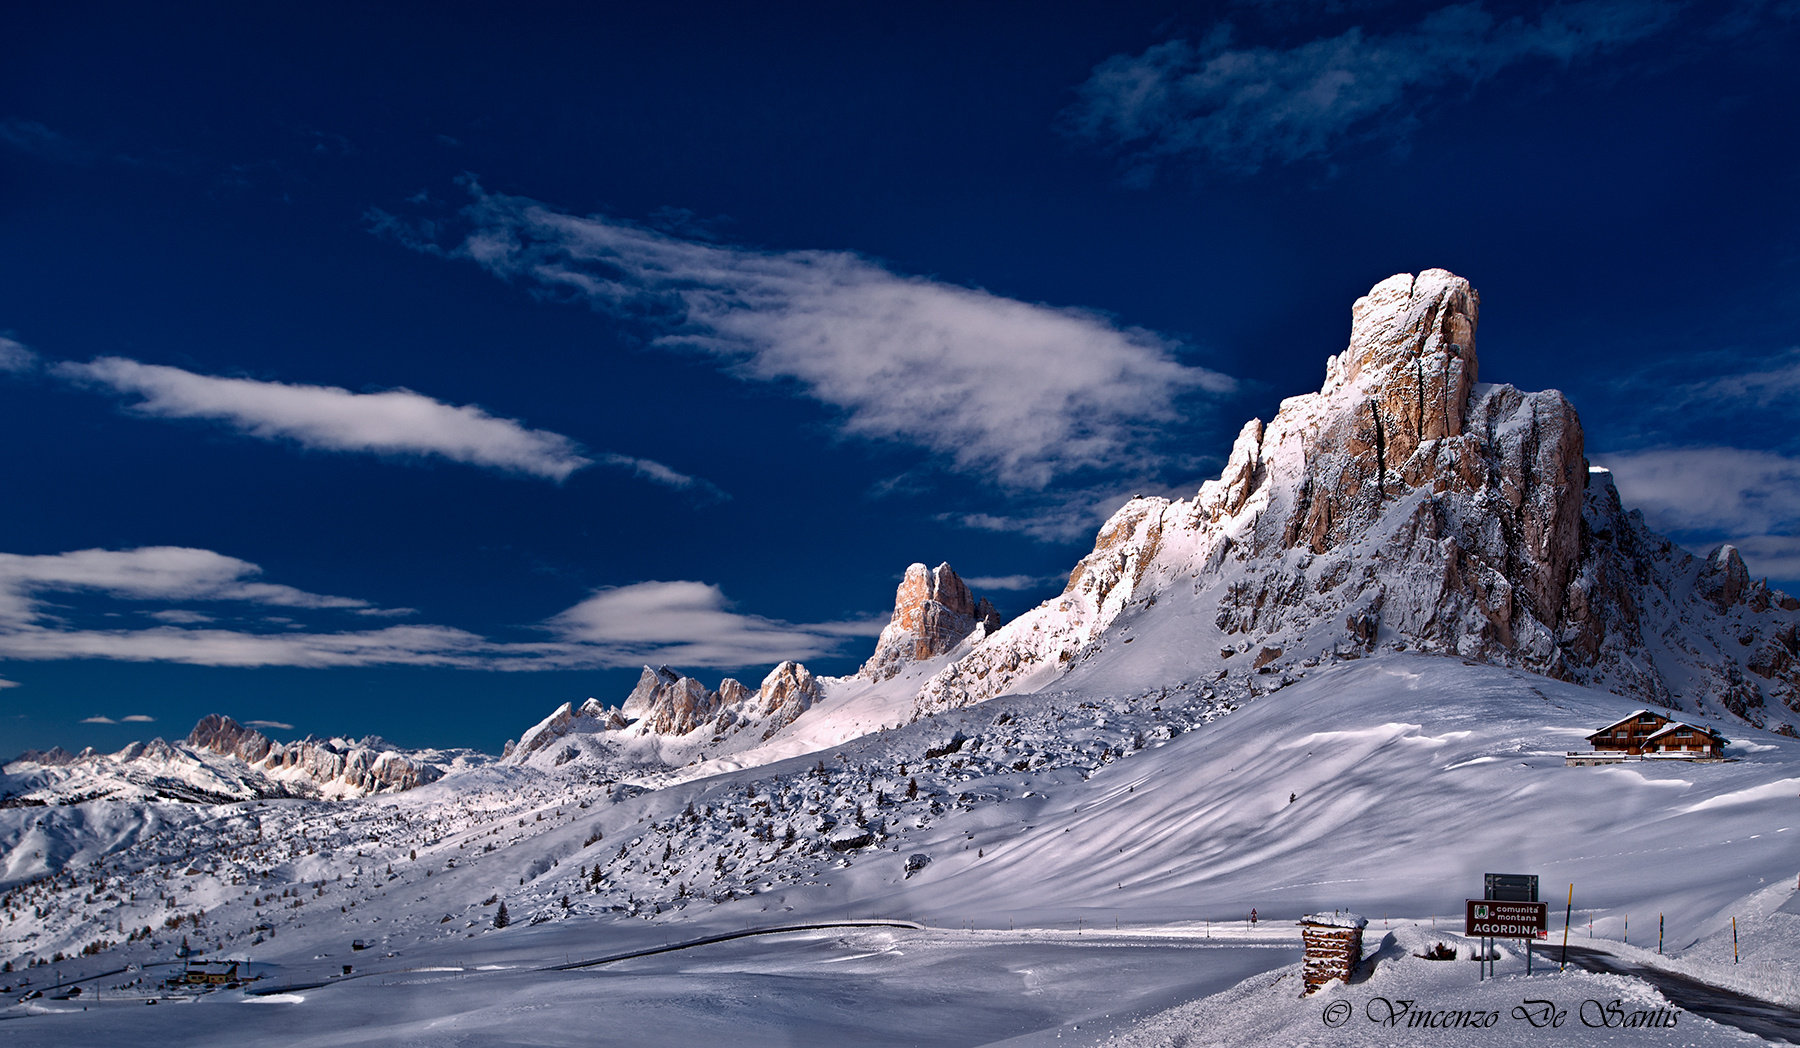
(1511, 887)
(1500, 919)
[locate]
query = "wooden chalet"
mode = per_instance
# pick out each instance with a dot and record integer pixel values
(1676, 739)
(1628, 734)
(211, 974)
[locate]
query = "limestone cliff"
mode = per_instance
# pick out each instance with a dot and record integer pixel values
(1409, 505)
(933, 613)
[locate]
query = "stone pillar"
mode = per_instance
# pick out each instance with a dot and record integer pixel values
(1333, 946)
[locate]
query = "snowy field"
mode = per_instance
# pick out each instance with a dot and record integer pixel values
(866, 988)
(1069, 854)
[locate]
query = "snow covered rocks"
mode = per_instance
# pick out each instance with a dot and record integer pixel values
(933, 613)
(222, 761)
(1405, 506)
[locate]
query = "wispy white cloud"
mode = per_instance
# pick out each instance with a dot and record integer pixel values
(1015, 583)
(181, 616)
(393, 646)
(97, 719)
(29, 136)
(166, 573)
(1234, 109)
(1777, 382)
(657, 473)
(685, 623)
(329, 418)
(1705, 495)
(16, 356)
(690, 624)
(4, 684)
(137, 718)
(278, 725)
(1015, 392)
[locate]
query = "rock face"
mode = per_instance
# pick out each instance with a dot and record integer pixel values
(933, 613)
(369, 765)
(677, 705)
(1409, 505)
(221, 762)
(671, 705)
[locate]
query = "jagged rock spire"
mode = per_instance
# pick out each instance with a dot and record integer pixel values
(933, 613)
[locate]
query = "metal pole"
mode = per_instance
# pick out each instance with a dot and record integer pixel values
(1567, 913)
(1734, 958)
(1659, 930)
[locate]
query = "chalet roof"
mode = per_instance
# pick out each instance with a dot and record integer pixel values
(1672, 725)
(1633, 715)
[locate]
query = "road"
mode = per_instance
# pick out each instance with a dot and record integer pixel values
(686, 945)
(1752, 1015)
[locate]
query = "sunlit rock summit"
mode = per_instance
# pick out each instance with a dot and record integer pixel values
(1409, 506)
(933, 613)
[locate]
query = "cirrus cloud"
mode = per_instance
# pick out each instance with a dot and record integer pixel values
(329, 418)
(689, 623)
(1234, 110)
(1015, 392)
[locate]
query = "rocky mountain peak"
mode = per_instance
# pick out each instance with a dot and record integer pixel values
(934, 611)
(1407, 505)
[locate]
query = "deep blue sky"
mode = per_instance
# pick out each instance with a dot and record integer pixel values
(774, 301)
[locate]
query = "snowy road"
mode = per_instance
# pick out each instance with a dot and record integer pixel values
(1762, 1018)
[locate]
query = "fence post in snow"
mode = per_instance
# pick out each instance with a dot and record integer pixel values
(1567, 914)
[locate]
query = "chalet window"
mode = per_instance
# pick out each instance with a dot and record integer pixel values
(1684, 734)
(1621, 733)
(1648, 718)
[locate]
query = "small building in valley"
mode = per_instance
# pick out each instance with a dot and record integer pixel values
(211, 974)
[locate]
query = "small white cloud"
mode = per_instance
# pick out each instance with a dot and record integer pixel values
(4, 684)
(277, 725)
(1015, 583)
(138, 718)
(386, 613)
(15, 356)
(657, 473)
(328, 418)
(689, 624)
(181, 617)
(98, 720)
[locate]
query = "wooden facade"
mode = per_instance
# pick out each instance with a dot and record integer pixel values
(1333, 947)
(1629, 733)
(1685, 740)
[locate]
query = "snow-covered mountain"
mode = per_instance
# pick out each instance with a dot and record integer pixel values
(220, 762)
(1406, 506)
(1343, 674)
(674, 725)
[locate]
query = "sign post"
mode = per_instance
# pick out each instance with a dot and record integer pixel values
(1509, 911)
